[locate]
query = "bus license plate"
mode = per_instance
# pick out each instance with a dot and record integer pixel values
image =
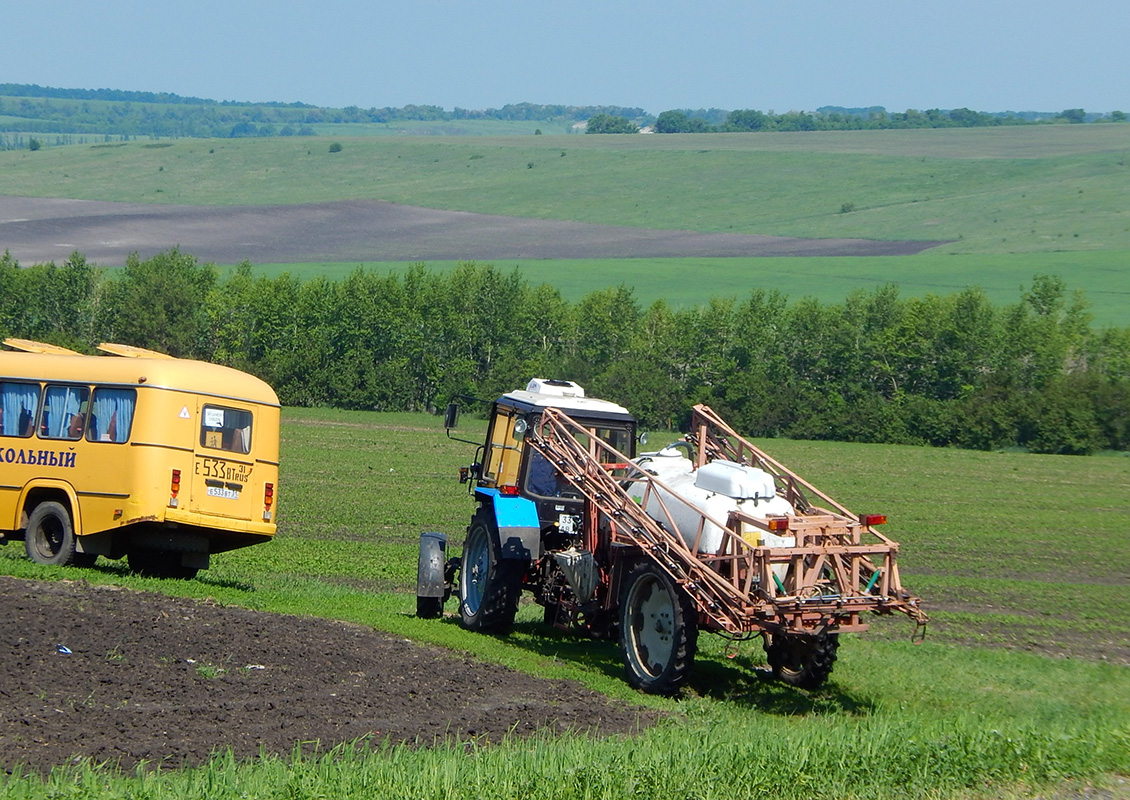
(222, 491)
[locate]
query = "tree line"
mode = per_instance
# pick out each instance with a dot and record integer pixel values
(32, 109)
(27, 109)
(944, 370)
(842, 119)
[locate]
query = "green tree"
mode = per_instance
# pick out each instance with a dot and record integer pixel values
(748, 120)
(607, 123)
(162, 303)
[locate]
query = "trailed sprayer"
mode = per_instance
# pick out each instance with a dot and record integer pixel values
(709, 533)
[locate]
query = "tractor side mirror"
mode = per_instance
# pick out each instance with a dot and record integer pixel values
(451, 416)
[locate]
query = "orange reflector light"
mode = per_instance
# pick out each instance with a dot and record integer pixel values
(778, 523)
(873, 519)
(509, 491)
(268, 494)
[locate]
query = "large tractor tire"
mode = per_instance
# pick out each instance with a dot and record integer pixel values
(489, 586)
(802, 661)
(50, 537)
(658, 630)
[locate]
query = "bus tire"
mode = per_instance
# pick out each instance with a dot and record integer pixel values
(50, 535)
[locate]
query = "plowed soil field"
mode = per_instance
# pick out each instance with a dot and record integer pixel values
(40, 230)
(133, 678)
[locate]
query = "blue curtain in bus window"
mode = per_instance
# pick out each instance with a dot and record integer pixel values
(111, 415)
(62, 412)
(18, 404)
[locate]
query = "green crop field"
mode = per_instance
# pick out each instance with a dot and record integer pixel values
(691, 282)
(1008, 203)
(1056, 191)
(1022, 684)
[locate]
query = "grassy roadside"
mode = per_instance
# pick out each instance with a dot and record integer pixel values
(1014, 537)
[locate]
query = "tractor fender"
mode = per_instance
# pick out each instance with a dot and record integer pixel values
(430, 578)
(515, 523)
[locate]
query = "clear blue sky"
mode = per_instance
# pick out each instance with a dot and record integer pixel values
(772, 55)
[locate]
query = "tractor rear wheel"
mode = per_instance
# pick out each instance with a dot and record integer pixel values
(489, 586)
(802, 661)
(658, 630)
(50, 535)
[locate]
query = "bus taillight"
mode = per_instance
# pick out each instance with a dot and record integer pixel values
(268, 499)
(174, 488)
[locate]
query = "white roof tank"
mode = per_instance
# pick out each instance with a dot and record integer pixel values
(554, 388)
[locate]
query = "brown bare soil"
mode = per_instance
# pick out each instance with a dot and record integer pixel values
(41, 230)
(129, 678)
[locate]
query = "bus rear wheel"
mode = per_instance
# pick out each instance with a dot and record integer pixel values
(50, 535)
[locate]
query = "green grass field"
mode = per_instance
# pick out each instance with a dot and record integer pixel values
(1010, 203)
(1066, 193)
(1103, 275)
(1022, 684)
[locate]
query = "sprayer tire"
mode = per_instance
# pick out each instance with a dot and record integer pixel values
(658, 630)
(802, 661)
(489, 586)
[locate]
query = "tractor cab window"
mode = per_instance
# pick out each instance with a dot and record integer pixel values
(504, 449)
(621, 440)
(618, 438)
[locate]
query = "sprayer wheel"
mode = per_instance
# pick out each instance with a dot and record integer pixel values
(802, 661)
(658, 630)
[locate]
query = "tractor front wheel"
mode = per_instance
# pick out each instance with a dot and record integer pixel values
(802, 661)
(658, 630)
(489, 586)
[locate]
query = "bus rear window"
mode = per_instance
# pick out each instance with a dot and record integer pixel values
(226, 429)
(19, 403)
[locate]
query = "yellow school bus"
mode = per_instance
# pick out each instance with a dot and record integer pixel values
(162, 460)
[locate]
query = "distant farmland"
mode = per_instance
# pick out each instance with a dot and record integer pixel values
(1006, 203)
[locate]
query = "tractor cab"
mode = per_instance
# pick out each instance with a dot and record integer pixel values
(509, 468)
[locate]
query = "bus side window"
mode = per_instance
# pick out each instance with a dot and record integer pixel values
(64, 412)
(19, 403)
(111, 415)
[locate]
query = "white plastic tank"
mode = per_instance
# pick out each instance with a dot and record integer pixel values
(717, 488)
